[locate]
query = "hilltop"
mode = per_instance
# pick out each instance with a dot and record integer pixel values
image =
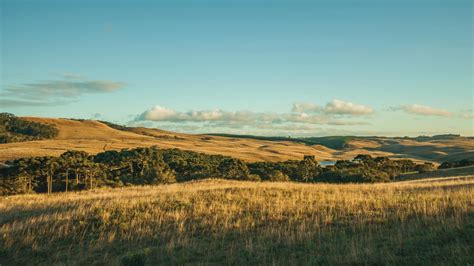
(95, 136)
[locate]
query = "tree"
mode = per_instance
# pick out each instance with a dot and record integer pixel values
(231, 168)
(277, 176)
(426, 167)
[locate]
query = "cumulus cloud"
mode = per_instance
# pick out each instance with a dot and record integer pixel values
(346, 108)
(423, 110)
(236, 119)
(306, 108)
(334, 107)
(159, 113)
(55, 91)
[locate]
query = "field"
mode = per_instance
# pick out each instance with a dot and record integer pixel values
(94, 137)
(421, 222)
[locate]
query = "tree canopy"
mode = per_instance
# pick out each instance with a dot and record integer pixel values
(14, 129)
(77, 170)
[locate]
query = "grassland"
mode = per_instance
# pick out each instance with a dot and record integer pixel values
(94, 137)
(421, 222)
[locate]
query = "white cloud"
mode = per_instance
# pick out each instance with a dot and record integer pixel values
(334, 107)
(237, 119)
(424, 110)
(346, 108)
(159, 113)
(306, 108)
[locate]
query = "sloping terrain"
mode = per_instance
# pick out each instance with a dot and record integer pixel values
(222, 222)
(440, 173)
(437, 150)
(94, 137)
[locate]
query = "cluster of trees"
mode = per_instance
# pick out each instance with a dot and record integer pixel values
(115, 126)
(306, 170)
(363, 168)
(77, 170)
(14, 129)
(455, 164)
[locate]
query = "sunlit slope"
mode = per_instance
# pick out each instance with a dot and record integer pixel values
(450, 149)
(94, 136)
(428, 222)
(440, 173)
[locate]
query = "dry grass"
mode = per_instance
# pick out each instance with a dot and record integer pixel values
(94, 137)
(228, 222)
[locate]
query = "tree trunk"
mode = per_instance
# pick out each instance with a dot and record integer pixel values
(67, 180)
(49, 179)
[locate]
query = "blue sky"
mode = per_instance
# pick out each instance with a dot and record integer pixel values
(260, 67)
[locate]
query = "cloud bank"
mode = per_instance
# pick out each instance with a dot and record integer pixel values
(336, 107)
(423, 110)
(54, 92)
(302, 113)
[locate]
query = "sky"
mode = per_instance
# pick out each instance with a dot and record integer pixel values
(288, 67)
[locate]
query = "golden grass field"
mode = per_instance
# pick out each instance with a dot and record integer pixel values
(418, 222)
(94, 137)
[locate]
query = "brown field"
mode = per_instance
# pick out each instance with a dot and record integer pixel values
(420, 222)
(460, 171)
(94, 137)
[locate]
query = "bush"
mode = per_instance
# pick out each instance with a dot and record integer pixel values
(277, 176)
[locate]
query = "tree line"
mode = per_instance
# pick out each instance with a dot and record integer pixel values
(455, 164)
(77, 170)
(14, 129)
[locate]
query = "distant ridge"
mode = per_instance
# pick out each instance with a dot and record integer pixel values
(95, 136)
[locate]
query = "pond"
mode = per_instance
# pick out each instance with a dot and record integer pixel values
(327, 163)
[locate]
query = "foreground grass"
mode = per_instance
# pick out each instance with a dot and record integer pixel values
(223, 222)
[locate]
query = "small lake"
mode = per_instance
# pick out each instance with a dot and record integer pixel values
(327, 163)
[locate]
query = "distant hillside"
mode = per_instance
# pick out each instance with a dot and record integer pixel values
(98, 136)
(333, 142)
(461, 171)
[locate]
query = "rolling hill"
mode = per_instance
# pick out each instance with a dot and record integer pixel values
(95, 136)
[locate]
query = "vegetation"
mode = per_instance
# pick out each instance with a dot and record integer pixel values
(437, 137)
(115, 126)
(363, 168)
(77, 170)
(455, 164)
(14, 129)
(333, 142)
(427, 222)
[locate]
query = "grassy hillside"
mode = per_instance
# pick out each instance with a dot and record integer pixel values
(95, 136)
(237, 223)
(333, 142)
(461, 171)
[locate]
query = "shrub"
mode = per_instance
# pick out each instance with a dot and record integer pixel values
(277, 176)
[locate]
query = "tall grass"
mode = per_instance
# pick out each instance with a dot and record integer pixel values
(229, 222)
